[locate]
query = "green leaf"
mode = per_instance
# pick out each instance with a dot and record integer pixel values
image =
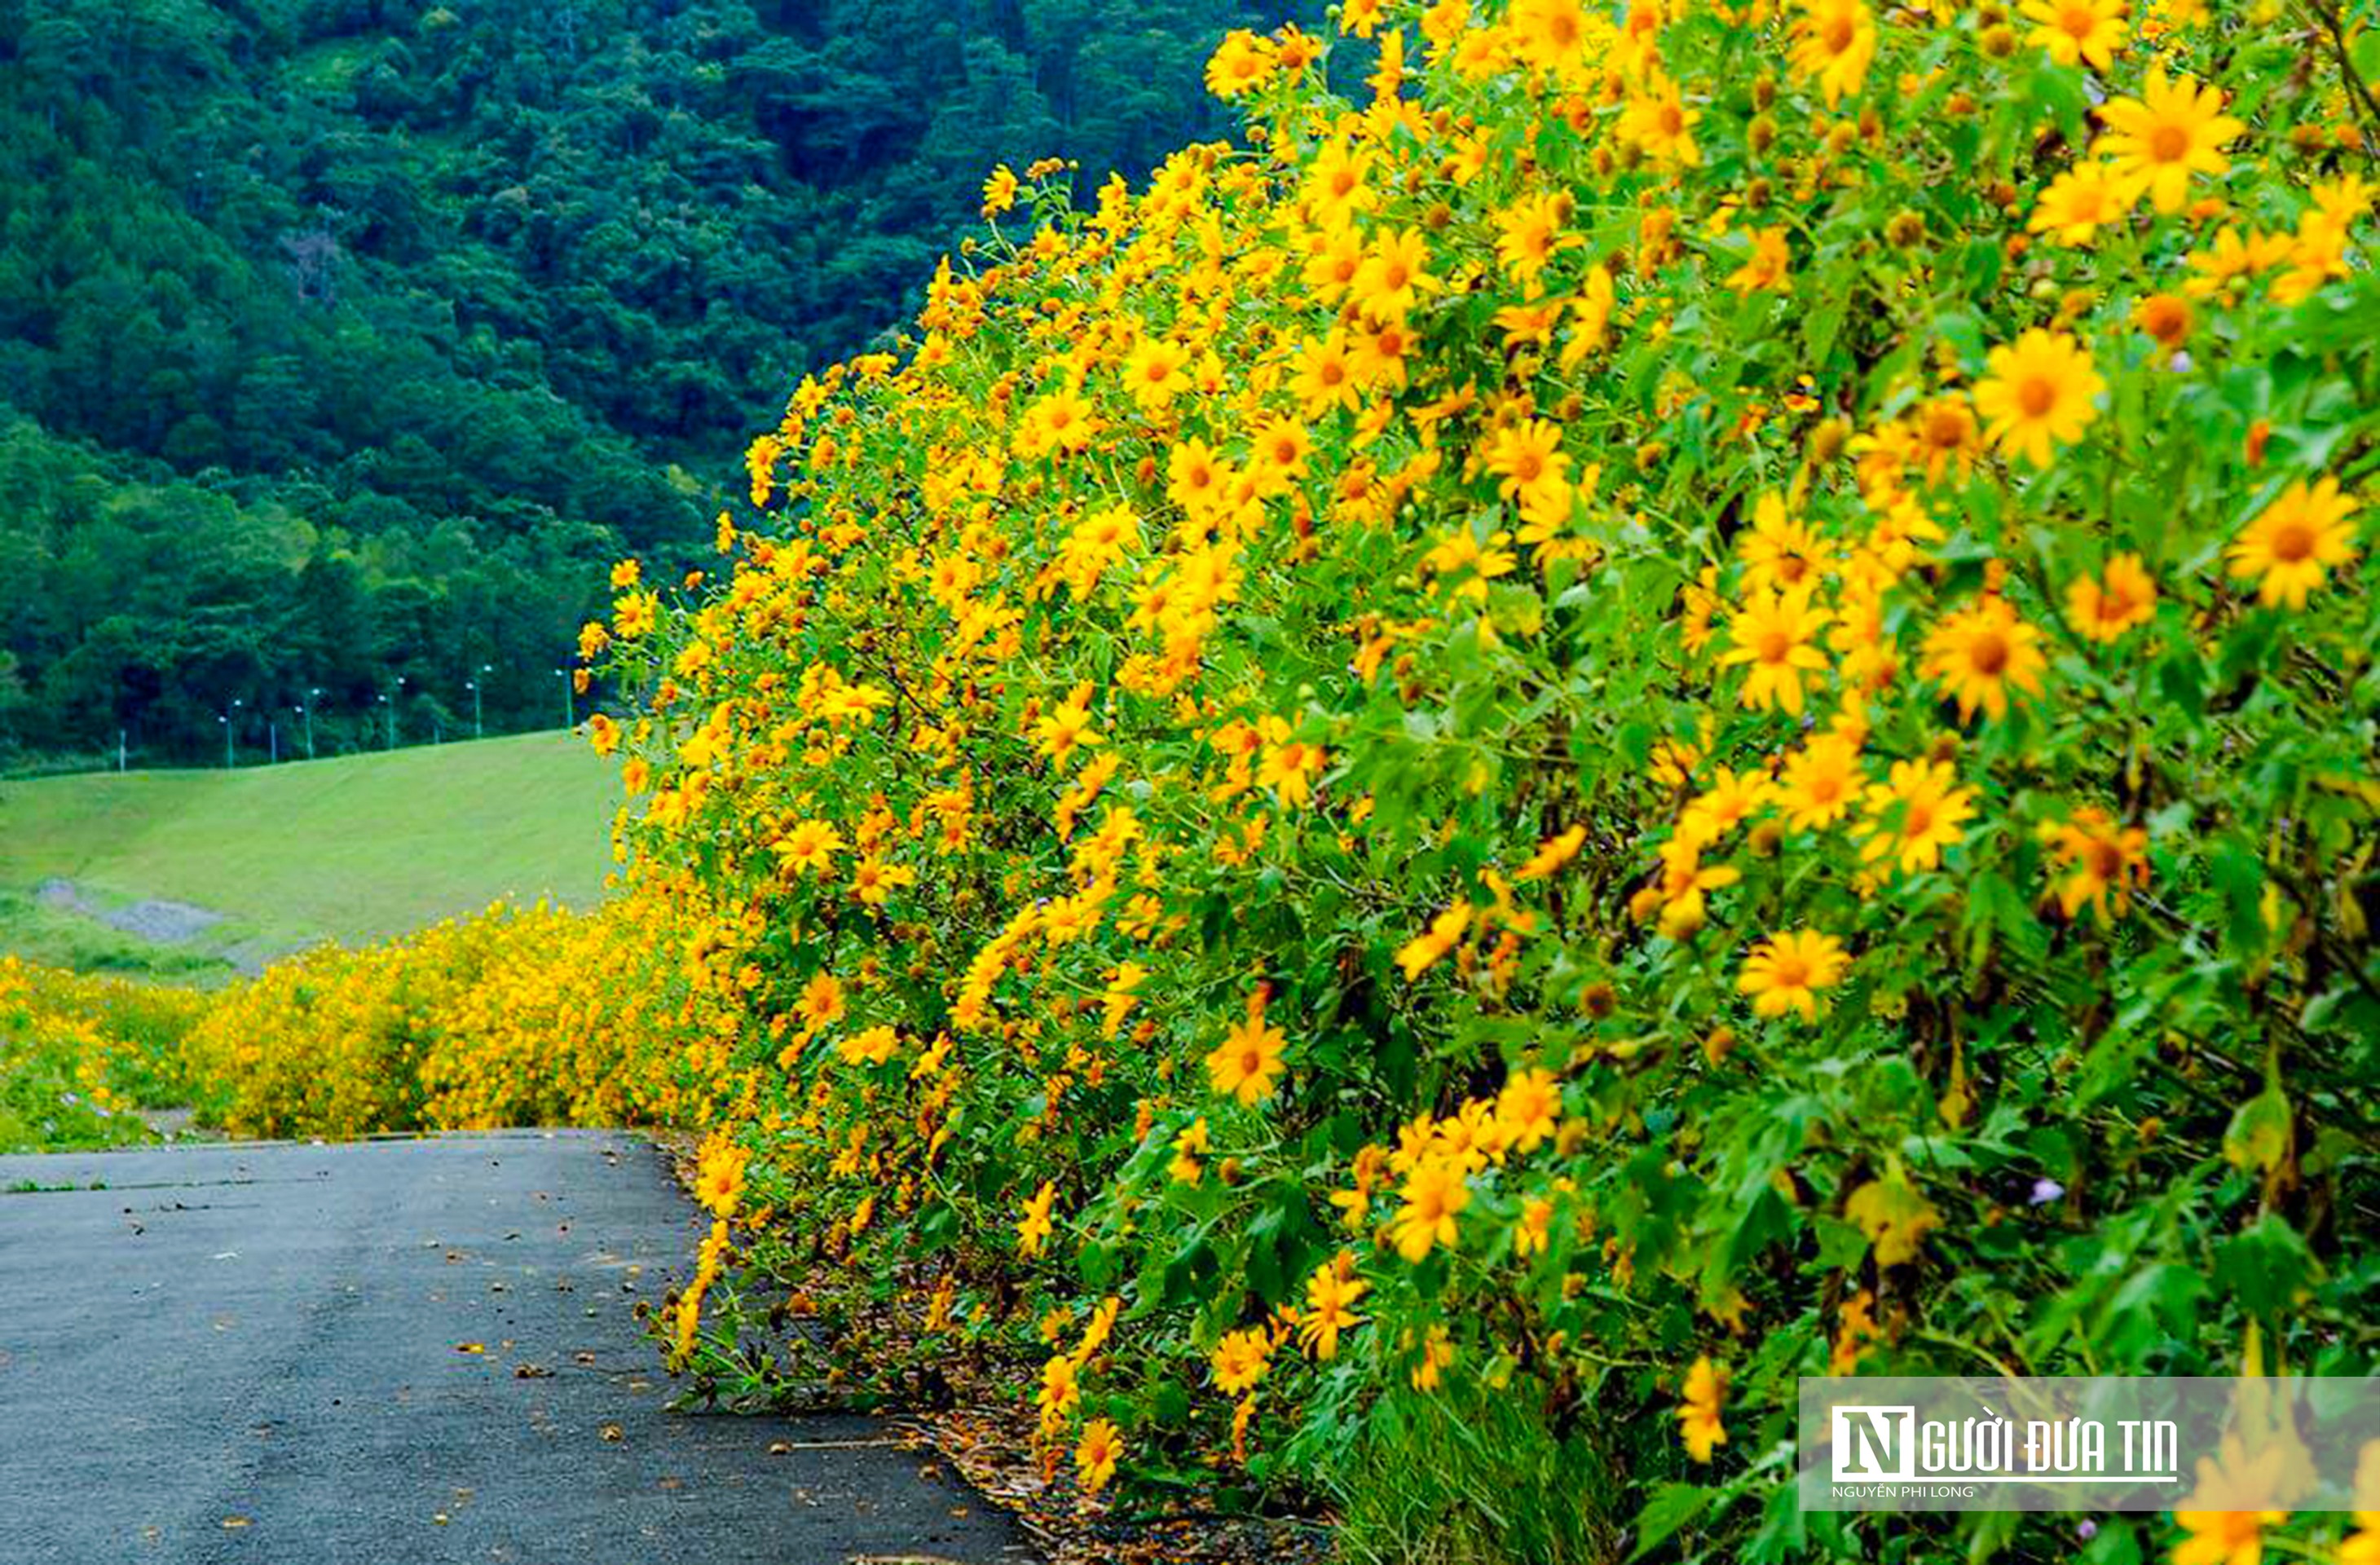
(2265, 1265)
(2238, 874)
(1822, 324)
(2258, 1137)
(1671, 1507)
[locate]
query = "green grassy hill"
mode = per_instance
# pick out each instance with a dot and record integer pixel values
(351, 849)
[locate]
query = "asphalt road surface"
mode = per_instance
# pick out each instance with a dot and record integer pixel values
(263, 1353)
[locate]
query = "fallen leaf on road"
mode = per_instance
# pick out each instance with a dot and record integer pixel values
(233, 1524)
(532, 1372)
(471, 1347)
(613, 1433)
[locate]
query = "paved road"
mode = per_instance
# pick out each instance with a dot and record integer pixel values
(249, 1353)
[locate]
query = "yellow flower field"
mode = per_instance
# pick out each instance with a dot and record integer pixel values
(1639, 703)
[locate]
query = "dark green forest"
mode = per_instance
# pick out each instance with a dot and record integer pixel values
(344, 343)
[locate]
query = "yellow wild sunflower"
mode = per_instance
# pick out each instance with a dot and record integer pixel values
(1834, 41)
(1155, 373)
(1947, 439)
(1780, 550)
(1548, 34)
(1772, 632)
(2293, 542)
(1326, 378)
(2079, 203)
(2102, 861)
(1982, 651)
(1096, 1456)
(2079, 31)
(1821, 782)
(1242, 64)
(1786, 972)
(1336, 187)
(2102, 608)
(1731, 799)
(2038, 393)
(2164, 317)
(2157, 140)
(1529, 235)
(1394, 275)
(1528, 462)
(1658, 121)
(1247, 1064)
(1915, 813)
(1434, 1192)
(1699, 1424)
(1241, 1359)
(1033, 1227)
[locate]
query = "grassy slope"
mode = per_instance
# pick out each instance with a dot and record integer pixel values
(355, 848)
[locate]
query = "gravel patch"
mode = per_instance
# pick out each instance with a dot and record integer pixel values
(163, 923)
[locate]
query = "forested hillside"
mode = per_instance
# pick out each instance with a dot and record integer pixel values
(342, 342)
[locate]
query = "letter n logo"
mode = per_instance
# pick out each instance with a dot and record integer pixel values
(1874, 1444)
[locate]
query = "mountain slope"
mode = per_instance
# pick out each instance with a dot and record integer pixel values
(419, 314)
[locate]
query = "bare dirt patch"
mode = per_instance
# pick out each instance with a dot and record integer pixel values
(163, 923)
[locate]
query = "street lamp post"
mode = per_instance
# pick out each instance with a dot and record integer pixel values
(313, 694)
(230, 728)
(389, 700)
(478, 730)
(569, 699)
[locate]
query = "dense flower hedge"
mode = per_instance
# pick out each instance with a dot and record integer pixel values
(516, 1017)
(81, 1055)
(1661, 706)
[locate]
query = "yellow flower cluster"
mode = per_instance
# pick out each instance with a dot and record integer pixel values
(515, 1016)
(80, 1054)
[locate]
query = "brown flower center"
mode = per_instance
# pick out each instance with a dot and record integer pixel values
(2292, 542)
